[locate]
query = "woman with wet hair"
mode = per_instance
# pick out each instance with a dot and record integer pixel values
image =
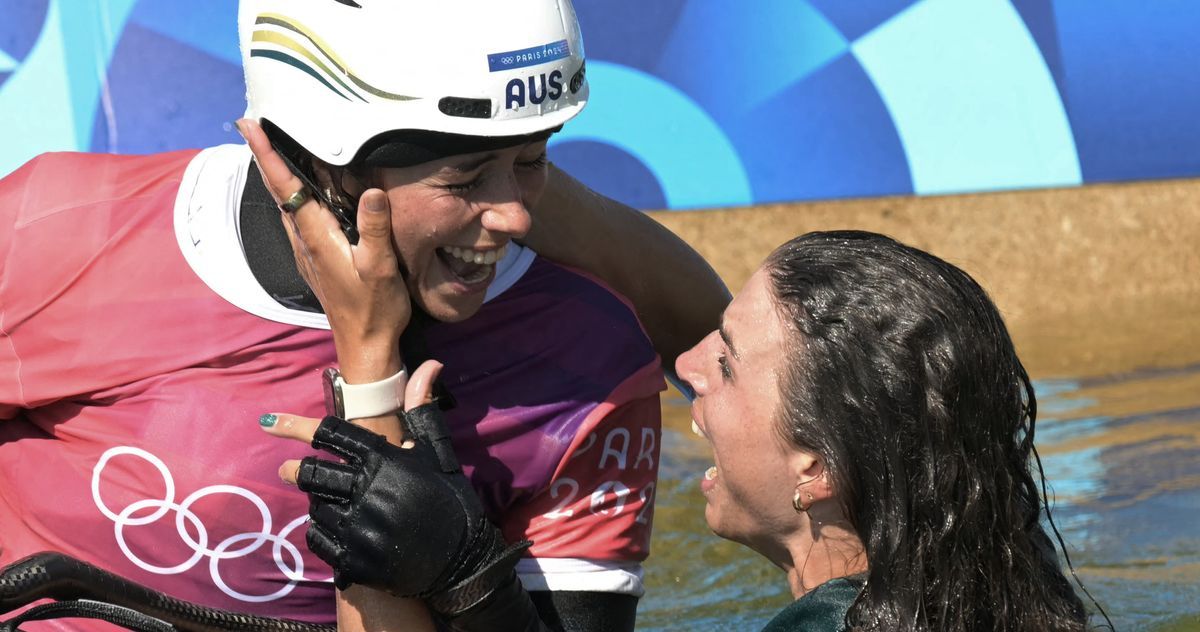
(872, 431)
(898, 379)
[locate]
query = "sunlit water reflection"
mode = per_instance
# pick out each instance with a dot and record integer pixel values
(1122, 457)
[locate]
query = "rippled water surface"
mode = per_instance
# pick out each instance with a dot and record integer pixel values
(1121, 454)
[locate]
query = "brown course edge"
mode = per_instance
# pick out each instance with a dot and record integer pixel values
(1092, 280)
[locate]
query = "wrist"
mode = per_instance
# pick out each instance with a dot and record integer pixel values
(348, 399)
(484, 576)
(507, 607)
(360, 362)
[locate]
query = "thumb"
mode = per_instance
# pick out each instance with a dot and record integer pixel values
(374, 256)
(374, 216)
(419, 390)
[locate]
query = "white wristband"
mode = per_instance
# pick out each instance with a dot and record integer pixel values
(358, 401)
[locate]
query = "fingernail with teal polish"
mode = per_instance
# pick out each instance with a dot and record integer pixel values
(267, 420)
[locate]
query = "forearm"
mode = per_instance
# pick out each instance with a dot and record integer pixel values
(362, 609)
(359, 608)
(677, 295)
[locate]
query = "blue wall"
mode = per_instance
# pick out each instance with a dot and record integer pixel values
(704, 103)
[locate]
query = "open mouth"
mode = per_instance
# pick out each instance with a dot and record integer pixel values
(469, 266)
(711, 474)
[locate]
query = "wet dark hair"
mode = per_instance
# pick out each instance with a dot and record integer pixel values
(901, 375)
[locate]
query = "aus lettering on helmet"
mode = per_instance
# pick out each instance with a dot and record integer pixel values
(339, 84)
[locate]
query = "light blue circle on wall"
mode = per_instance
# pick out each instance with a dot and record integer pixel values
(666, 130)
(972, 98)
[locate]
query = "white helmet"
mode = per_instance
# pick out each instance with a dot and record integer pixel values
(334, 74)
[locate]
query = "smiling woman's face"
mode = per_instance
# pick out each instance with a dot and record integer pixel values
(736, 373)
(453, 218)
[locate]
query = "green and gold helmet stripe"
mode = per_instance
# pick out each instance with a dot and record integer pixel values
(325, 50)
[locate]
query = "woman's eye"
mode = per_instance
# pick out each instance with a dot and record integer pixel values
(536, 163)
(723, 363)
(461, 188)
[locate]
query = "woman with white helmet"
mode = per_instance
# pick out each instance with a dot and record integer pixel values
(413, 135)
(441, 148)
(351, 94)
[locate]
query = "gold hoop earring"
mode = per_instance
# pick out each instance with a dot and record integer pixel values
(799, 505)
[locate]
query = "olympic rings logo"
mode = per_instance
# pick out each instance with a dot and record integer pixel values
(232, 547)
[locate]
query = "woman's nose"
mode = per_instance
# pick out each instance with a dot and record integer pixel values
(505, 211)
(687, 368)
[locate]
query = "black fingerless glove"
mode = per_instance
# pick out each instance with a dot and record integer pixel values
(408, 522)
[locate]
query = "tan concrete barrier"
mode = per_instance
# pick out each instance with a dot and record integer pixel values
(1092, 280)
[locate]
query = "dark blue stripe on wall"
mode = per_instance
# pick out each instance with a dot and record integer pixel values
(611, 32)
(1038, 16)
(1131, 70)
(20, 25)
(838, 140)
(856, 18)
(202, 25)
(166, 95)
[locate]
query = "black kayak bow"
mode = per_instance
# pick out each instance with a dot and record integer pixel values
(80, 590)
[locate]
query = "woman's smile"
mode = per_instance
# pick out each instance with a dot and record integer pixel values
(473, 268)
(452, 221)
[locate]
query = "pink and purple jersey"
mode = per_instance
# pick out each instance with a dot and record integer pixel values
(137, 353)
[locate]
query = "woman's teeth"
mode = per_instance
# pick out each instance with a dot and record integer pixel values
(481, 257)
(711, 473)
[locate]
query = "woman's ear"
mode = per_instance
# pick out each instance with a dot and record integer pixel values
(810, 476)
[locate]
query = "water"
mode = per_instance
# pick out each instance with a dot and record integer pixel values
(1121, 453)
